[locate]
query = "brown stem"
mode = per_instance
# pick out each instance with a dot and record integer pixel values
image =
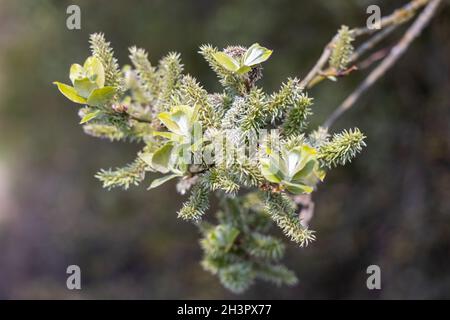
(139, 119)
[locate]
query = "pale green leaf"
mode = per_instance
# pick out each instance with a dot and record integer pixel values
(94, 70)
(76, 72)
(226, 61)
(161, 158)
(146, 157)
(164, 134)
(84, 86)
(181, 118)
(292, 160)
(256, 54)
(70, 93)
(305, 171)
(270, 171)
(90, 116)
(101, 96)
(166, 119)
(297, 188)
(320, 174)
(244, 69)
(157, 182)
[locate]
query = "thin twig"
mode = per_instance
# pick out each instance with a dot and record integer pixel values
(397, 17)
(374, 57)
(319, 64)
(372, 42)
(397, 51)
(139, 119)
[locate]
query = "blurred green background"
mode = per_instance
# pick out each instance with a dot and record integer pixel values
(390, 207)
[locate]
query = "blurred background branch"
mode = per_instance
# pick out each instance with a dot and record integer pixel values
(395, 53)
(386, 26)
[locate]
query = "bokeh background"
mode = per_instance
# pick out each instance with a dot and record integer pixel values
(390, 207)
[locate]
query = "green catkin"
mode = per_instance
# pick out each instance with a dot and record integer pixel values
(102, 50)
(342, 50)
(342, 148)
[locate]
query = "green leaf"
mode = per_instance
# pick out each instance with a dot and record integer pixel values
(225, 236)
(270, 171)
(166, 119)
(70, 93)
(157, 182)
(146, 157)
(76, 72)
(181, 118)
(292, 160)
(256, 55)
(90, 116)
(95, 71)
(231, 237)
(161, 158)
(320, 174)
(297, 188)
(84, 86)
(101, 96)
(226, 61)
(169, 135)
(244, 69)
(305, 171)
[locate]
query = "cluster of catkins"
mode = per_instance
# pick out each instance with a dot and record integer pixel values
(249, 148)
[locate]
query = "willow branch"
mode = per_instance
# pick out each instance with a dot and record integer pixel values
(139, 119)
(397, 17)
(319, 64)
(397, 51)
(387, 24)
(372, 42)
(374, 57)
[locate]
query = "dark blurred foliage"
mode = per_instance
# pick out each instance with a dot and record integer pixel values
(391, 207)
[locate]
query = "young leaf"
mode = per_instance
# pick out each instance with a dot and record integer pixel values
(161, 158)
(94, 70)
(226, 61)
(243, 69)
(297, 188)
(256, 55)
(101, 96)
(76, 72)
(89, 116)
(305, 171)
(166, 119)
(168, 135)
(70, 93)
(270, 171)
(84, 86)
(157, 182)
(146, 157)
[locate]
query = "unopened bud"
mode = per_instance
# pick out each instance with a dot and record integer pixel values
(120, 108)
